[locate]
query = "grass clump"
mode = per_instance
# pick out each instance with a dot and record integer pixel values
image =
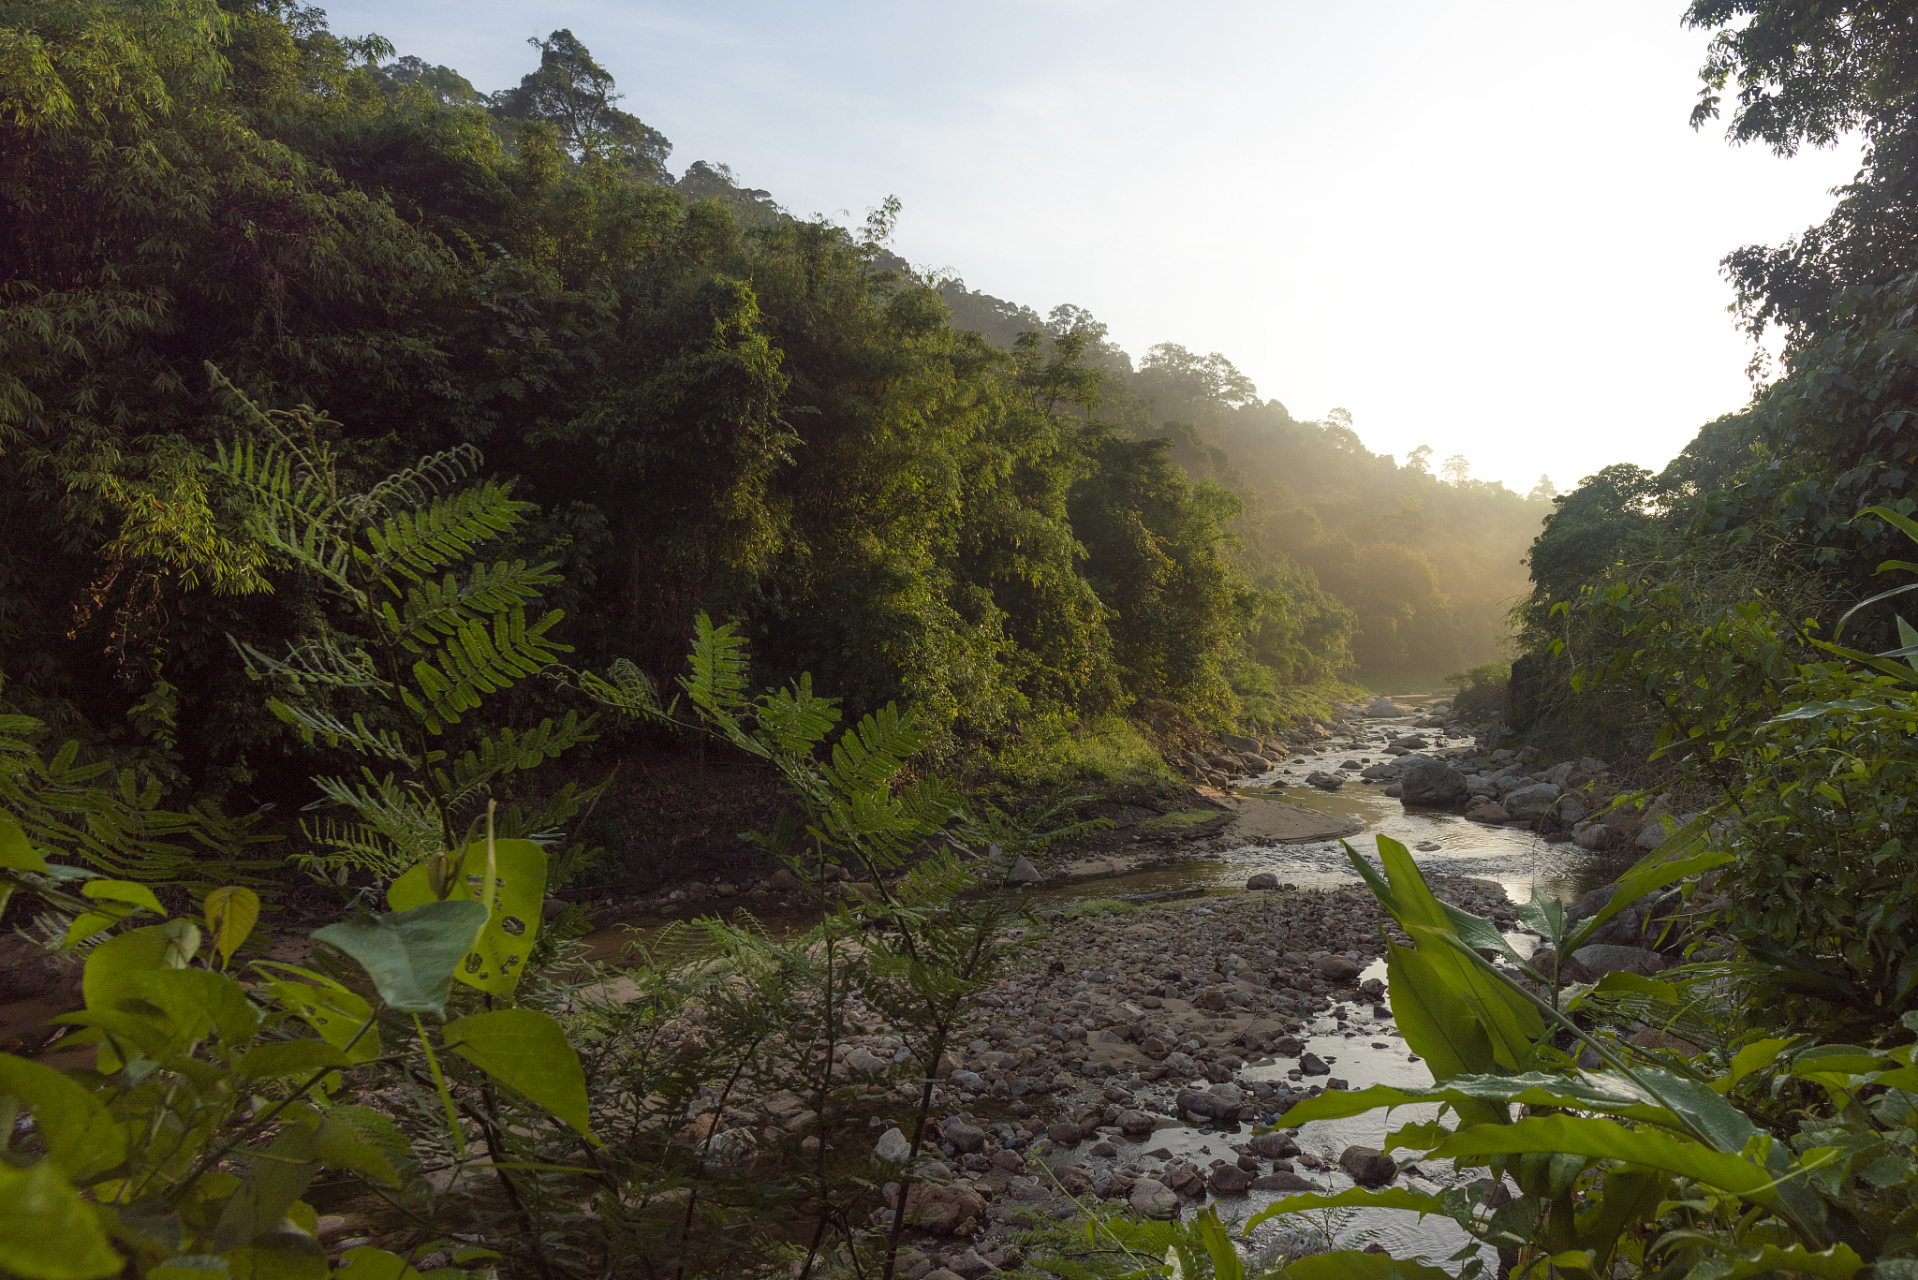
(1107, 751)
(1182, 820)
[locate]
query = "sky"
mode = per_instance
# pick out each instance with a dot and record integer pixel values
(1486, 227)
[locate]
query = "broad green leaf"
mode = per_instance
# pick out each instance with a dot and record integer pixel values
(1436, 1023)
(341, 1145)
(154, 946)
(282, 1058)
(278, 1255)
(1836, 1263)
(15, 853)
(527, 1051)
(82, 1139)
(1606, 1140)
(131, 892)
(1596, 1091)
(50, 1233)
(336, 1012)
(278, 1176)
(1755, 1056)
(1353, 1198)
(1626, 1198)
(1349, 1264)
(231, 912)
(499, 954)
(411, 955)
(1656, 870)
(368, 1263)
(192, 1266)
(90, 924)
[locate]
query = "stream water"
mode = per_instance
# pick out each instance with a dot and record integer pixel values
(1364, 1050)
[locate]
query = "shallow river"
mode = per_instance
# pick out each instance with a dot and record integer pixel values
(1363, 1050)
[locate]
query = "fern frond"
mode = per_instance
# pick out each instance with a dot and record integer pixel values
(436, 609)
(414, 485)
(498, 756)
(795, 720)
(322, 661)
(395, 812)
(313, 722)
(295, 511)
(473, 662)
(624, 688)
(717, 685)
(450, 527)
(872, 752)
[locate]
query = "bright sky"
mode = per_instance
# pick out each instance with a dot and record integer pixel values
(1484, 226)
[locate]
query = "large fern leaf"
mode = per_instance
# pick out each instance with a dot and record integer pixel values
(474, 662)
(433, 610)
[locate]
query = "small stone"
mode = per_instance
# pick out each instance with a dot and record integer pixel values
(1011, 1161)
(1312, 1065)
(1135, 1122)
(1262, 880)
(1064, 1134)
(943, 1210)
(1275, 1146)
(1337, 968)
(1105, 1149)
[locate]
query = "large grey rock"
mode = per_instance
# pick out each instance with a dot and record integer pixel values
(1571, 810)
(1368, 1166)
(892, 1147)
(1592, 835)
(1324, 781)
(1385, 707)
(945, 1210)
(1431, 784)
(1023, 872)
(1275, 1145)
(1245, 746)
(1595, 961)
(1533, 801)
(1310, 1064)
(1153, 1199)
(1486, 809)
(1229, 1180)
(965, 1138)
(1337, 968)
(1262, 880)
(1651, 835)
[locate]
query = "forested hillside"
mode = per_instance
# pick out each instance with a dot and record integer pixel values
(208, 212)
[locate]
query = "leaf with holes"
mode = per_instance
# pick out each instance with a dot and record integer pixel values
(518, 876)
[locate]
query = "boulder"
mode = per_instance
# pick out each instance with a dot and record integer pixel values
(1244, 746)
(944, 1210)
(1135, 1122)
(1023, 872)
(1385, 707)
(1592, 835)
(1431, 784)
(1310, 1064)
(1486, 809)
(1571, 810)
(1262, 880)
(1064, 1133)
(1533, 801)
(1151, 1198)
(1324, 781)
(1337, 968)
(892, 1147)
(1594, 962)
(965, 1138)
(970, 1081)
(1229, 1180)
(1368, 1166)
(1283, 1181)
(1275, 1145)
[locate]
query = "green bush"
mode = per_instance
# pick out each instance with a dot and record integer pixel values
(1480, 688)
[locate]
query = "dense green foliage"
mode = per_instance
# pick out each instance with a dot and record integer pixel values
(709, 406)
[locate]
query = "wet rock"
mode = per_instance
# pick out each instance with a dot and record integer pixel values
(1324, 781)
(1064, 1134)
(1336, 968)
(1229, 1180)
(1275, 1146)
(965, 1138)
(1283, 1181)
(1532, 801)
(1153, 1199)
(1595, 836)
(944, 1210)
(1135, 1122)
(1104, 1149)
(1485, 809)
(1368, 1166)
(1287, 1047)
(1431, 784)
(1262, 880)
(1311, 1064)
